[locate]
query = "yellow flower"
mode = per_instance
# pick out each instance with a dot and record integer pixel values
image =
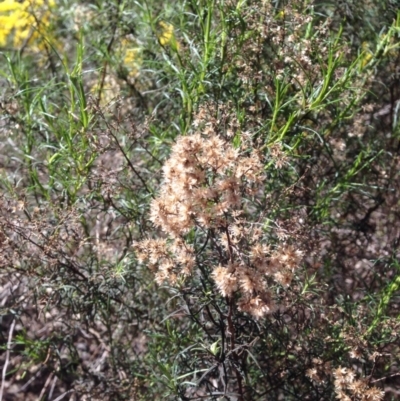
(366, 54)
(166, 36)
(132, 61)
(131, 56)
(24, 22)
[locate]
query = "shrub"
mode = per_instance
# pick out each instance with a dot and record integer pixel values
(199, 200)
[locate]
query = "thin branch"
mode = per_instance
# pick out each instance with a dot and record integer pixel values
(385, 377)
(121, 149)
(63, 395)
(3, 375)
(231, 329)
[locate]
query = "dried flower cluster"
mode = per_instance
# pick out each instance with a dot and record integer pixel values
(207, 183)
(319, 370)
(348, 388)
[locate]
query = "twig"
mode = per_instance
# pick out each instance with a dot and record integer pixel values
(53, 385)
(385, 377)
(121, 149)
(63, 395)
(3, 375)
(231, 329)
(109, 47)
(46, 384)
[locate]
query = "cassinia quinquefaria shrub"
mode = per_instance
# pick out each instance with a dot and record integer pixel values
(213, 191)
